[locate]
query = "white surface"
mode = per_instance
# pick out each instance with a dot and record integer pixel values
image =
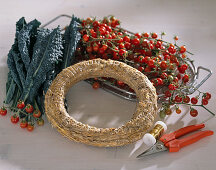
(193, 21)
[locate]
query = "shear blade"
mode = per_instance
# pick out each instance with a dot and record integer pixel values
(158, 147)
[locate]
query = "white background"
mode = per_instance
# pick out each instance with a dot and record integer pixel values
(193, 21)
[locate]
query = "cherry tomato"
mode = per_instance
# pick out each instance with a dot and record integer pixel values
(40, 122)
(30, 127)
(122, 52)
(193, 112)
(140, 68)
(138, 35)
(178, 99)
(14, 119)
(120, 33)
(171, 87)
(29, 108)
(83, 22)
(120, 83)
(178, 111)
(20, 104)
(154, 35)
(176, 38)
(117, 22)
(149, 53)
(115, 56)
(135, 41)
(182, 49)
(147, 69)
(96, 85)
(145, 44)
(164, 75)
(127, 45)
(184, 55)
(185, 78)
(151, 46)
(141, 59)
(159, 81)
(173, 59)
(102, 30)
(121, 45)
(23, 124)
(207, 96)
(146, 35)
(3, 111)
(163, 65)
(186, 99)
(184, 66)
(170, 78)
(168, 111)
(194, 100)
(146, 59)
(171, 50)
(95, 47)
(120, 40)
(158, 44)
(204, 101)
(95, 24)
(89, 49)
(89, 20)
(181, 70)
(166, 57)
(104, 46)
(86, 38)
(101, 50)
(151, 63)
(168, 94)
(37, 113)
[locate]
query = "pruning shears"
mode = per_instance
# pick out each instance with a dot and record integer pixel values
(173, 144)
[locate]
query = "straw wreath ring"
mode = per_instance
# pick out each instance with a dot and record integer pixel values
(133, 130)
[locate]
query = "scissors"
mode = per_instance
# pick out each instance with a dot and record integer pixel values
(171, 143)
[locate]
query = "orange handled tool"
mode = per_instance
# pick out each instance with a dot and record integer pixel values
(170, 141)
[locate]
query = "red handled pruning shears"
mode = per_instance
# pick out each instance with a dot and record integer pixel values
(171, 143)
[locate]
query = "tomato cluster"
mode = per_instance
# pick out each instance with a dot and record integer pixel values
(184, 99)
(30, 115)
(161, 61)
(164, 63)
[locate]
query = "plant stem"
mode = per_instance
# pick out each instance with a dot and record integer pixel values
(195, 106)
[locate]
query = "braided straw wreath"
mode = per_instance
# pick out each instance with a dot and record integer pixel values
(130, 132)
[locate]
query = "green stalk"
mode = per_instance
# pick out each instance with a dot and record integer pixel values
(197, 105)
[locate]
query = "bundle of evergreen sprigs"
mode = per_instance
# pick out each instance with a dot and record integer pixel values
(34, 60)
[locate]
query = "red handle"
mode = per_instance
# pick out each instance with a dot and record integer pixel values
(177, 144)
(185, 130)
